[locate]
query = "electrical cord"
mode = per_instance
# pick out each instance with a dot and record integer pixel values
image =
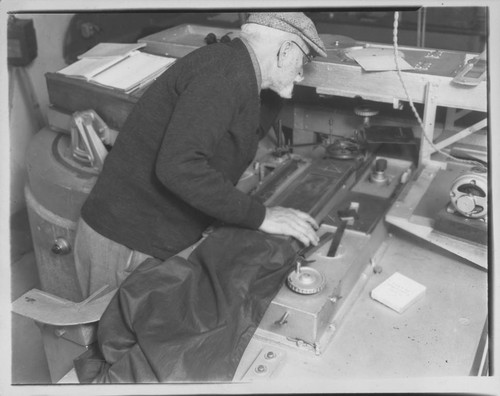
(410, 101)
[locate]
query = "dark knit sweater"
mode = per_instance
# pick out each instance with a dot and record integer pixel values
(174, 166)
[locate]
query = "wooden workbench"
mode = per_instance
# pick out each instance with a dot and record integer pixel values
(439, 336)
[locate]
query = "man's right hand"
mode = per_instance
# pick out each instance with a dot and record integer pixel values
(290, 222)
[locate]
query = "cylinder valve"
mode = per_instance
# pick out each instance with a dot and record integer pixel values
(469, 193)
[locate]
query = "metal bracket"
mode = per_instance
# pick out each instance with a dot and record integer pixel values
(265, 364)
(88, 134)
(305, 344)
(478, 126)
(428, 120)
(57, 311)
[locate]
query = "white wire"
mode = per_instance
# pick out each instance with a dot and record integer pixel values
(410, 101)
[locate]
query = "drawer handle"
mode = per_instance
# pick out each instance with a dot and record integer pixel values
(61, 246)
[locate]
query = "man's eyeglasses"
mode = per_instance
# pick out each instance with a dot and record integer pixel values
(307, 57)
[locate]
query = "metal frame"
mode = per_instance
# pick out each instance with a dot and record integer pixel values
(340, 78)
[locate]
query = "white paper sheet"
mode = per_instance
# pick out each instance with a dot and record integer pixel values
(378, 59)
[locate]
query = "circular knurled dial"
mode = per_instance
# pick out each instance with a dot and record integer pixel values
(306, 281)
(365, 111)
(343, 149)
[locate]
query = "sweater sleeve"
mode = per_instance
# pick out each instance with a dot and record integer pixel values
(202, 115)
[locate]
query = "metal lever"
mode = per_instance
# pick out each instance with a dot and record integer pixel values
(283, 320)
(309, 250)
(346, 217)
(332, 251)
(298, 266)
(88, 131)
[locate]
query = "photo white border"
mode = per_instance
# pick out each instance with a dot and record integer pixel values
(456, 385)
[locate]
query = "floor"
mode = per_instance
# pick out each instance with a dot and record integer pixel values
(29, 364)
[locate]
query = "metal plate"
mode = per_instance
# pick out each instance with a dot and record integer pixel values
(265, 365)
(181, 40)
(394, 171)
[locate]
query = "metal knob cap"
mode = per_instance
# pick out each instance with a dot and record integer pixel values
(61, 246)
(381, 165)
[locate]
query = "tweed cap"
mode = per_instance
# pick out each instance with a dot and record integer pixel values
(292, 22)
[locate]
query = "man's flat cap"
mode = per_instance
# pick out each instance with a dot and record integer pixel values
(291, 22)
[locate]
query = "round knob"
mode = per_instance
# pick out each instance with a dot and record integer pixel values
(366, 112)
(469, 194)
(380, 165)
(378, 173)
(61, 246)
(210, 38)
(465, 203)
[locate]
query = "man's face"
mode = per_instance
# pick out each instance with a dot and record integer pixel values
(291, 59)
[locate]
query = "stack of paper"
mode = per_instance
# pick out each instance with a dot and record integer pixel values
(118, 66)
(133, 72)
(99, 58)
(398, 292)
(106, 50)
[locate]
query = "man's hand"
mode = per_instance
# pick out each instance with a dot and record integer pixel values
(291, 222)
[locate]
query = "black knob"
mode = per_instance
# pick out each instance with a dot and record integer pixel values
(210, 38)
(381, 165)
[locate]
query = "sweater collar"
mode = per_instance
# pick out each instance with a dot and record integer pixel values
(255, 62)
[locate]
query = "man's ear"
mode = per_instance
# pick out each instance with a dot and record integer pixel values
(284, 52)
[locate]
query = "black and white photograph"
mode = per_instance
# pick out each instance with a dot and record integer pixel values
(249, 197)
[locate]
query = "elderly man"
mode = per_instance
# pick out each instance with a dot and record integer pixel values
(175, 164)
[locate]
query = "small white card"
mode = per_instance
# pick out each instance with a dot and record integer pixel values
(398, 292)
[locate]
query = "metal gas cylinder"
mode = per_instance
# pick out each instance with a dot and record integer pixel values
(58, 184)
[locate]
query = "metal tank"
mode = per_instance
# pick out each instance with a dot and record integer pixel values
(62, 169)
